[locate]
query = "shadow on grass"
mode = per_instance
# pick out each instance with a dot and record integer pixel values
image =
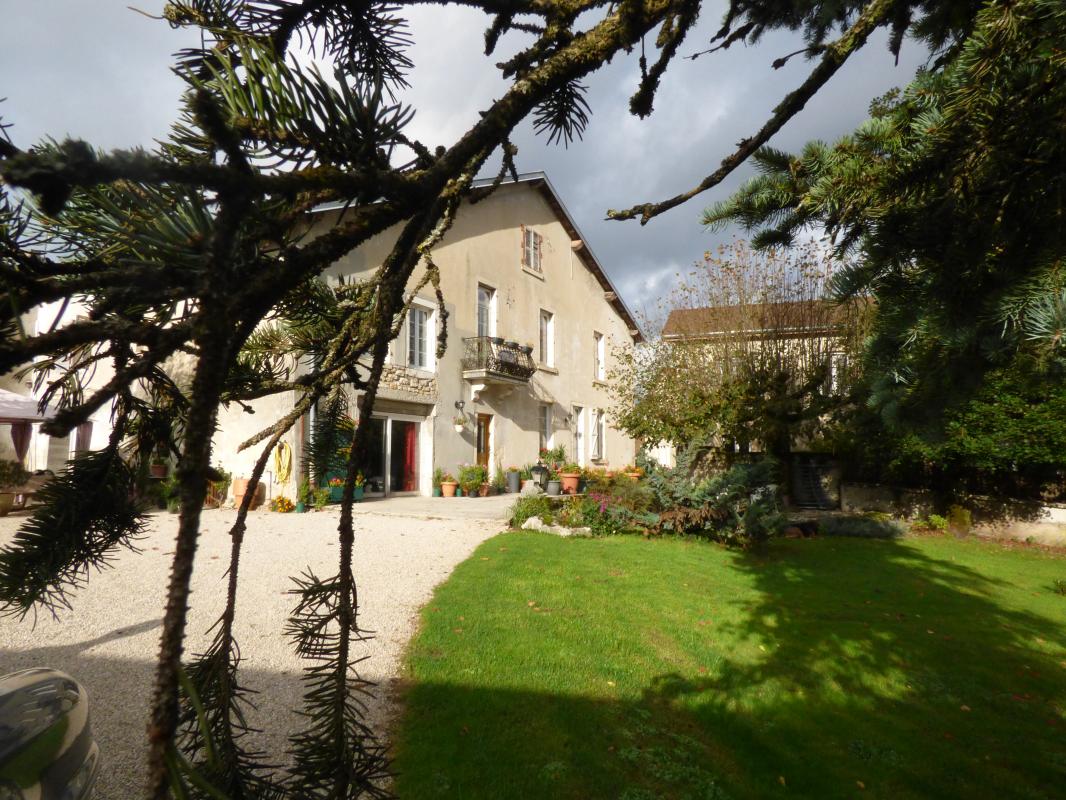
(878, 669)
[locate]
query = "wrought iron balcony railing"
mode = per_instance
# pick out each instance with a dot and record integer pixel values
(487, 357)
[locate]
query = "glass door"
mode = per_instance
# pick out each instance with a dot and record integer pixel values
(484, 440)
(403, 456)
(373, 466)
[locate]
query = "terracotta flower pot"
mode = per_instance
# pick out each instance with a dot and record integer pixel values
(485, 490)
(569, 481)
(157, 470)
(633, 476)
(240, 487)
(448, 488)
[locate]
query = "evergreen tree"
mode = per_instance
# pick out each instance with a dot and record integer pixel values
(950, 201)
(197, 255)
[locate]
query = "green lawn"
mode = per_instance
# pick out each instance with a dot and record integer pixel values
(619, 667)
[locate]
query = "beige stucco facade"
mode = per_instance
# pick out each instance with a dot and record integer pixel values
(416, 406)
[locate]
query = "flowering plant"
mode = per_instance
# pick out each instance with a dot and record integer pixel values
(335, 482)
(282, 505)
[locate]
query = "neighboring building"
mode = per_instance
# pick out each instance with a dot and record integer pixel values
(805, 332)
(533, 321)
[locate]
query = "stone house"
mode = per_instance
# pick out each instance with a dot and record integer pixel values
(533, 325)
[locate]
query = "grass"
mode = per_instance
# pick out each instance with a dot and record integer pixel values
(625, 668)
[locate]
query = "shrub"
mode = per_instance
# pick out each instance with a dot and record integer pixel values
(933, 522)
(533, 506)
(12, 474)
(282, 504)
(320, 497)
(959, 520)
(1059, 586)
(862, 527)
(471, 476)
(739, 506)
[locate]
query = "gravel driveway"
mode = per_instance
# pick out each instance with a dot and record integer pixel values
(109, 640)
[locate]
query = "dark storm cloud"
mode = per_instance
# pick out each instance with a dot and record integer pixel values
(98, 71)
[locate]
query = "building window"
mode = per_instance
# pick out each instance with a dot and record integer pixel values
(545, 425)
(531, 249)
(579, 434)
(838, 370)
(418, 338)
(546, 354)
(600, 356)
(599, 435)
(486, 310)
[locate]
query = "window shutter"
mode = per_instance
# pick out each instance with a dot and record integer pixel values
(525, 259)
(537, 238)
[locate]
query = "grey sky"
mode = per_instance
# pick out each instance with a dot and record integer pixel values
(96, 70)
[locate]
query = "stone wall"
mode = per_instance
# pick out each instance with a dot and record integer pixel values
(400, 383)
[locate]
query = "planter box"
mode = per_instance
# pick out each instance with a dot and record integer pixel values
(336, 494)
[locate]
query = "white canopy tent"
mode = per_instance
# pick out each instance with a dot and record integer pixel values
(21, 408)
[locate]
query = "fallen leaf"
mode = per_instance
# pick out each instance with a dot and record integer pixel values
(781, 779)
(964, 708)
(860, 784)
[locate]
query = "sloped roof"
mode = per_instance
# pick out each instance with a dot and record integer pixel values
(801, 317)
(540, 182)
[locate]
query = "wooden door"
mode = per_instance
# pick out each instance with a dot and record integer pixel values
(484, 439)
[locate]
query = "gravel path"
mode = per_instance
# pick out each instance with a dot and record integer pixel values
(109, 640)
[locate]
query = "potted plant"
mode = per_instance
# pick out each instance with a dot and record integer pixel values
(304, 496)
(320, 497)
(360, 483)
(12, 475)
(554, 486)
(336, 489)
(438, 476)
(513, 477)
(282, 505)
(499, 482)
(459, 423)
(157, 468)
(632, 472)
(569, 477)
(217, 488)
(448, 484)
(527, 349)
(471, 476)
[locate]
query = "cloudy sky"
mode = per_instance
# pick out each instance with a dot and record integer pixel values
(99, 71)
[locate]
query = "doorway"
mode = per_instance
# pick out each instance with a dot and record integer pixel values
(392, 460)
(579, 435)
(484, 440)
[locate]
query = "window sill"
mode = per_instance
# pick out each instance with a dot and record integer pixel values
(420, 372)
(535, 273)
(548, 369)
(598, 382)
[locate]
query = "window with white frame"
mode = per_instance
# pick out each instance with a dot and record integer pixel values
(418, 337)
(579, 434)
(545, 425)
(599, 435)
(838, 370)
(546, 353)
(600, 356)
(531, 249)
(486, 310)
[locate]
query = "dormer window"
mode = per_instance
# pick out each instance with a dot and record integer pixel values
(531, 249)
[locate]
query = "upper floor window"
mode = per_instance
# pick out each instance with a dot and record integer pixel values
(600, 356)
(486, 310)
(546, 353)
(531, 249)
(418, 338)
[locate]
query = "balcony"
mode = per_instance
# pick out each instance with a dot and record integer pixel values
(489, 359)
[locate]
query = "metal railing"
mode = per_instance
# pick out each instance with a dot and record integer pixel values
(493, 355)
